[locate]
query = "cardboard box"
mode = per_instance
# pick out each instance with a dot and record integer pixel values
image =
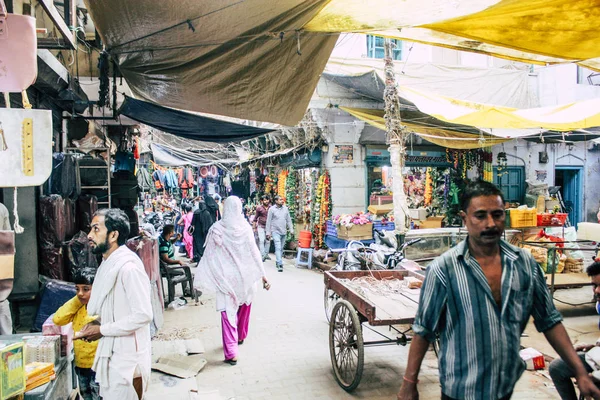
(379, 200)
(533, 358)
(380, 210)
(65, 332)
(431, 223)
(417, 213)
(355, 232)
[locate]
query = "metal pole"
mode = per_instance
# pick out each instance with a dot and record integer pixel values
(396, 135)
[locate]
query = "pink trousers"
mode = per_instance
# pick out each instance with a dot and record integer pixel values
(233, 334)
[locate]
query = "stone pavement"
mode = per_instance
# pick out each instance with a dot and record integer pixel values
(286, 355)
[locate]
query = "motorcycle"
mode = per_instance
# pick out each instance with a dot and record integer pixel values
(384, 254)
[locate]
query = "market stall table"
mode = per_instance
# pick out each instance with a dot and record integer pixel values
(58, 389)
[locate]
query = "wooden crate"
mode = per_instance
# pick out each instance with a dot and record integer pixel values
(356, 232)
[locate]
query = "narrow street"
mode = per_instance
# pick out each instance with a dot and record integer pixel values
(286, 355)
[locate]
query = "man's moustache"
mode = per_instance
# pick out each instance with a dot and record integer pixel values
(493, 232)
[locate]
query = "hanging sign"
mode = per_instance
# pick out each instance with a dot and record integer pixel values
(343, 154)
(25, 147)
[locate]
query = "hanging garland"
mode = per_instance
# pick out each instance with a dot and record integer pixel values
(428, 187)
(465, 160)
(281, 179)
(322, 208)
(269, 181)
(291, 198)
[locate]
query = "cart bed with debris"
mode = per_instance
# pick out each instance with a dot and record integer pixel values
(354, 298)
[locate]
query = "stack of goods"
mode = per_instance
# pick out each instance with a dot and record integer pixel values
(77, 254)
(54, 294)
(42, 349)
(86, 208)
(53, 231)
(38, 374)
(12, 369)
(539, 250)
(322, 207)
(65, 332)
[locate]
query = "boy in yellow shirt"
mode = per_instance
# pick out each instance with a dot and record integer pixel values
(75, 311)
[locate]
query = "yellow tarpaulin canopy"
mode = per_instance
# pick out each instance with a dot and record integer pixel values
(444, 137)
(537, 31)
(565, 117)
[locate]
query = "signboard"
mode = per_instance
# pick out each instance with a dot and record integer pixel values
(26, 151)
(343, 154)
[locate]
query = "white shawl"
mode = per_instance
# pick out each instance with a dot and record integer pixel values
(232, 263)
(102, 303)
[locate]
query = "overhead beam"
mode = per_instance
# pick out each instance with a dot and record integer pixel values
(52, 44)
(59, 22)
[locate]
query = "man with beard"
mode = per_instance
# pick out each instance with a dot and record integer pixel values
(201, 223)
(560, 371)
(476, 300)
(121, 299)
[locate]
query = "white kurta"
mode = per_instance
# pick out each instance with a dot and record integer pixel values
(131, 331)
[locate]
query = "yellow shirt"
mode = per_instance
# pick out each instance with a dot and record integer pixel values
(74, 311)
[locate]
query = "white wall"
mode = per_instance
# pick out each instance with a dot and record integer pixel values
(557, 84)
(354, 45)
(347, 180)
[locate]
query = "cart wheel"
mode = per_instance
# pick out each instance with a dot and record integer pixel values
(346, 347)
(330, 298)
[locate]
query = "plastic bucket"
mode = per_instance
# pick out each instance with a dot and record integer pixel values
(304, 239)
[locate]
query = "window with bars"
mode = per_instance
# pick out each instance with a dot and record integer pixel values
(375, 47)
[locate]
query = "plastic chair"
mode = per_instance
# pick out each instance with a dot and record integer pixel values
(309, 253)
(177, 274)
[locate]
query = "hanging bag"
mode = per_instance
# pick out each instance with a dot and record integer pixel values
(18, 51)
(7, 255)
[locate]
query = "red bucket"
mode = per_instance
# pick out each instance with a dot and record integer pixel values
(305, 239)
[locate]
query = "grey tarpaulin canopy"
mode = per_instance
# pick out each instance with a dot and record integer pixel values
(167, 155)
(188, 125)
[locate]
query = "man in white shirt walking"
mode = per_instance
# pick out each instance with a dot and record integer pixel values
(121, 299)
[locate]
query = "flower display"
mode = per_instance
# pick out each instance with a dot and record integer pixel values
(360, 218)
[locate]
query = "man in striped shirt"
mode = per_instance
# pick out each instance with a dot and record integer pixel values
(477, 299)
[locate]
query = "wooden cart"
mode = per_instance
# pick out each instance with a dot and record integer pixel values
(348, 310)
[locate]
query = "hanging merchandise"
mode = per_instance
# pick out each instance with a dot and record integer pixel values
(291, 191)
(227, 183)
(158, 176)
(18, 51)
(28, 146)
(204, 172)
(136, 149)
(322, 208)
(428, 187)
(281, 179)
(269, 180)
(465, 160)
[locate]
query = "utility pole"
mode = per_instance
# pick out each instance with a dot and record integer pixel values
(396, 137)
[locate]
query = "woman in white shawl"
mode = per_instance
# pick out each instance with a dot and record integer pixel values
(232, 267)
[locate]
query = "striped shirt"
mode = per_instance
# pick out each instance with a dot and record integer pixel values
(480, 341)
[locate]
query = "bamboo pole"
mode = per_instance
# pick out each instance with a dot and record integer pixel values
(396, 137)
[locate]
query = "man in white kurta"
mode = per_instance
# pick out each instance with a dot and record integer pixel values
(121, 299)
